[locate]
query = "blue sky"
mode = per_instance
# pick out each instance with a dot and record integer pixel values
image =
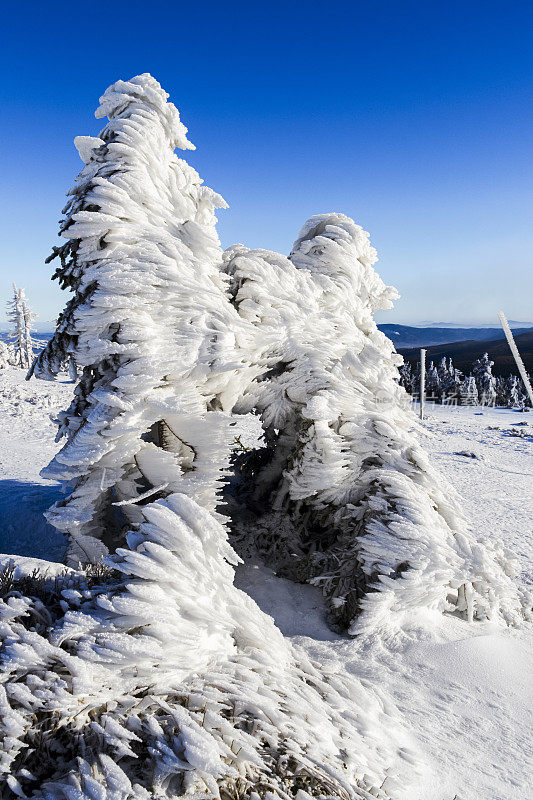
(414, 118)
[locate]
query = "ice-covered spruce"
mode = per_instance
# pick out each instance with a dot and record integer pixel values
(169, 680)
(149, 326)
(344, 496)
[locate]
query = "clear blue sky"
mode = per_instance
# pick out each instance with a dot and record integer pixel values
(415, 118)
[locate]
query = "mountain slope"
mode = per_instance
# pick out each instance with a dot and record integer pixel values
(464, 353)
(409, 336)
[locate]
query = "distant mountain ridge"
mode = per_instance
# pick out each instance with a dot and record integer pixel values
(410, 336)
(513, 323)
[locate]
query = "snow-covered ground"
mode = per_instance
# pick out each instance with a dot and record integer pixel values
(26, 445)
(465, 695)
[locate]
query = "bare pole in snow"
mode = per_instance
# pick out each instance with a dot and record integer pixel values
(516, 354)
(422, 382)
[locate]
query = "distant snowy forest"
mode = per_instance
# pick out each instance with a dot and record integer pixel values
(446, 384)
(235, 409)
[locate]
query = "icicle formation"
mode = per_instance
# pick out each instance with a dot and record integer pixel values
(172, 681)
(149, 325)
(347, 499)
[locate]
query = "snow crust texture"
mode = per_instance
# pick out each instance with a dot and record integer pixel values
(160, 677)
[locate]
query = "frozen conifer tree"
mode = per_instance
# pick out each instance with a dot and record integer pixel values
(446, 379)
(406, 377)
(485, 381)
(500, 388)
(343, 496)
(433, 382)
(171, 682)
(148, 326)
(512, 392)
(16, 315)
(468, 392)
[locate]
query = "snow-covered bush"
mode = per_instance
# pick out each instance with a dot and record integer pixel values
(343, 496)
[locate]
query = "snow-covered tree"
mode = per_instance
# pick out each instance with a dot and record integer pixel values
(22, 318)
(523, 397)
(513, 396)
(410, 377)
(7, 355)
(457, 380)
(448, 381)
(28, 318)
(485, 381)
(169, 680)
(343, 496)
(17, 335)
(433, 382)
(406, 376)
(149, 326)
(468, 392)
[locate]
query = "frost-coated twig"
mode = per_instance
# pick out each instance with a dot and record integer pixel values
(140, 497)
(516, 354)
